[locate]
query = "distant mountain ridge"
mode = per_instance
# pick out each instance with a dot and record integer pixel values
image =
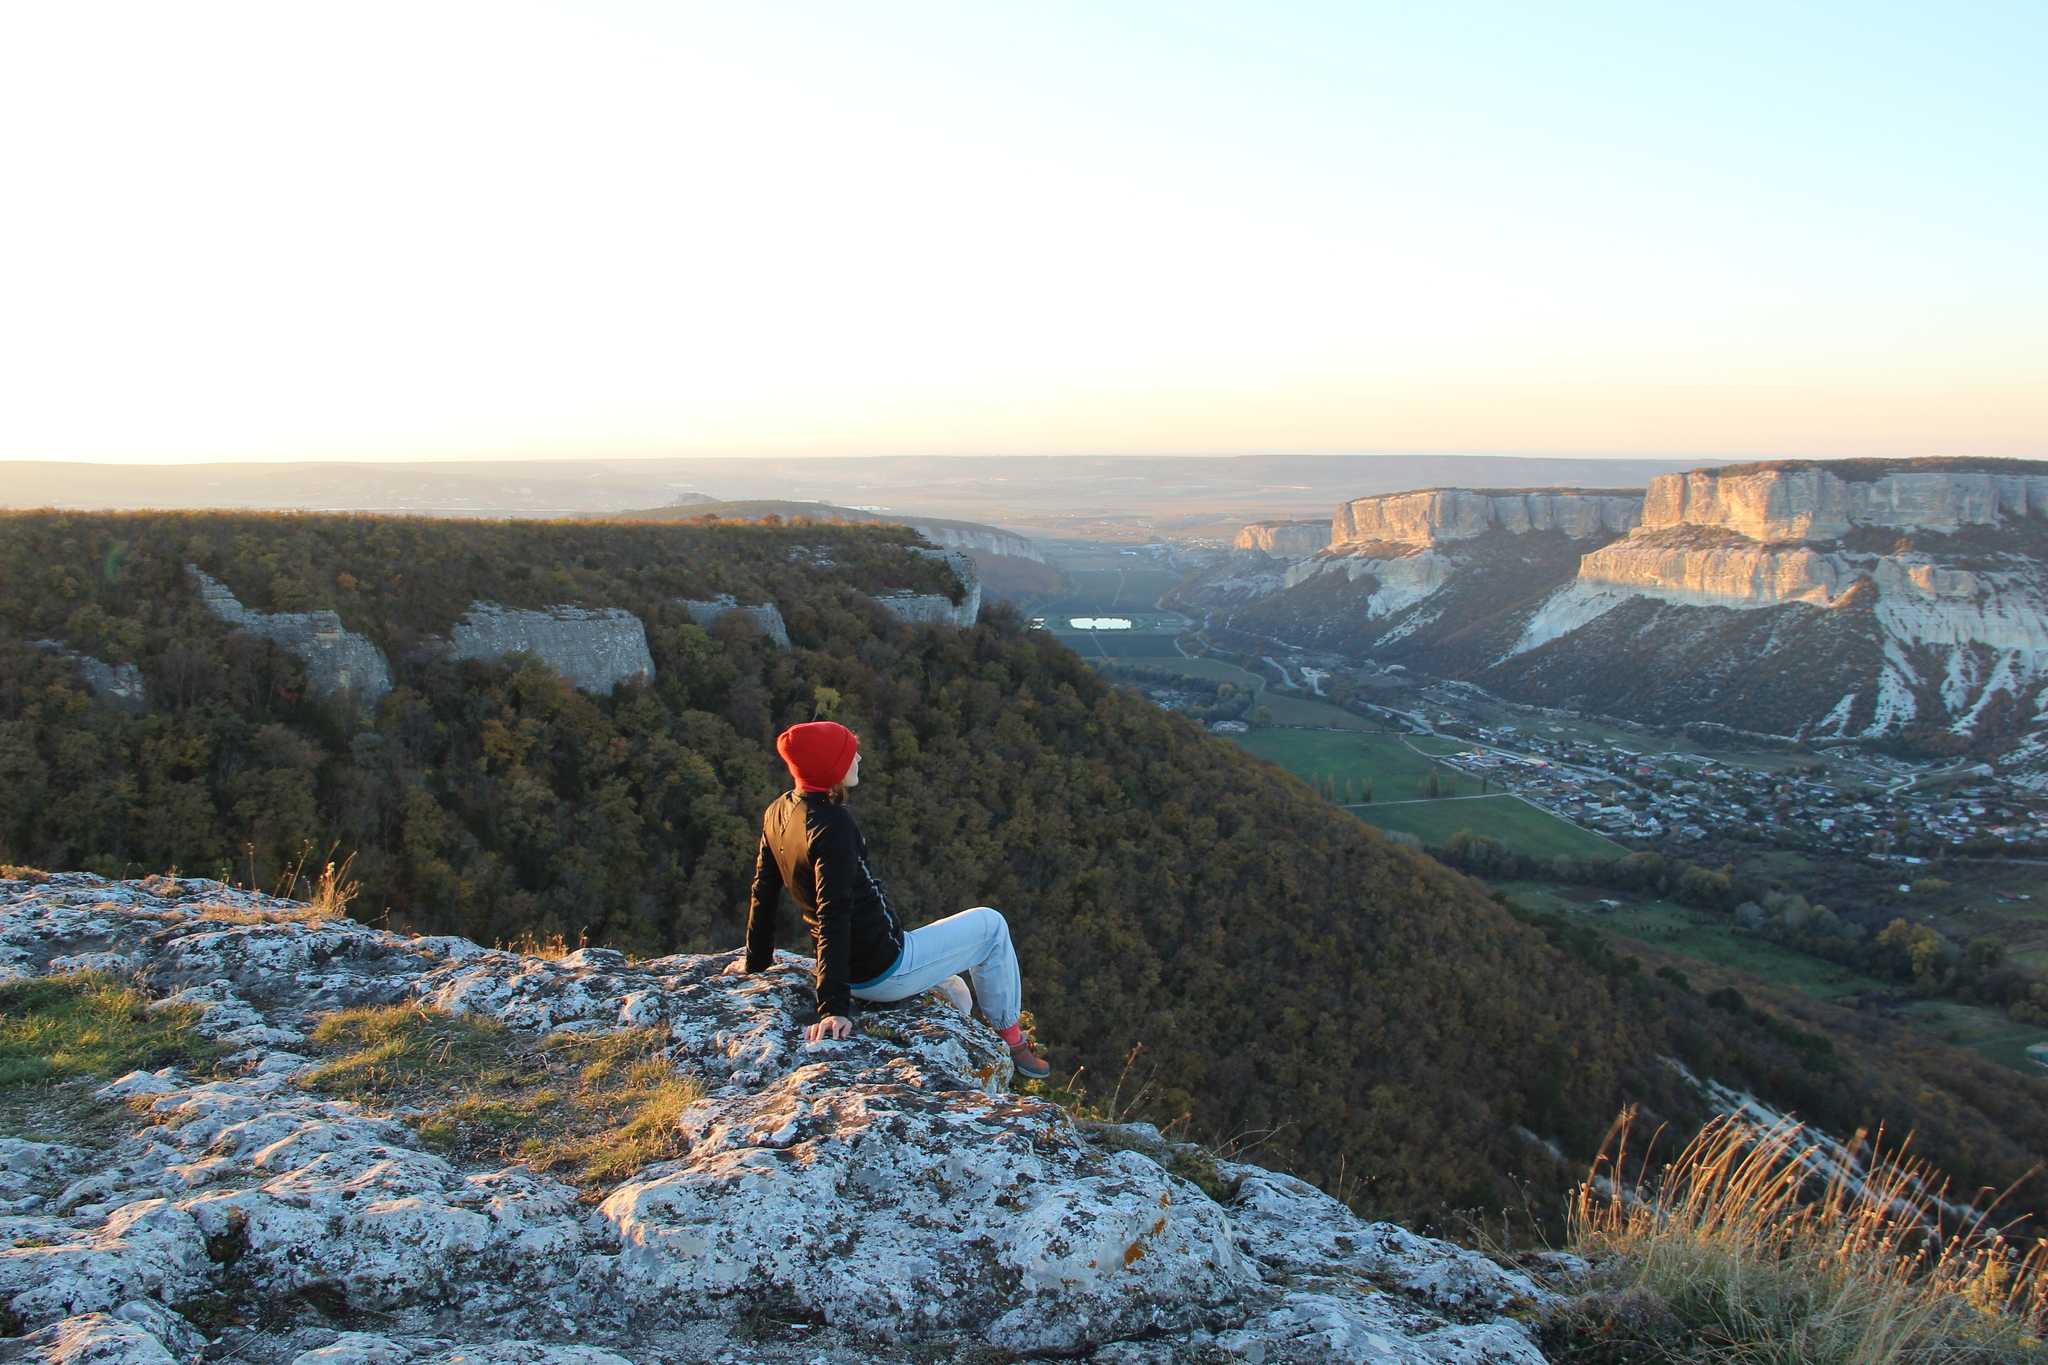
(1083, 496)
(953, 534)
(1011, 567)
(1859, 598)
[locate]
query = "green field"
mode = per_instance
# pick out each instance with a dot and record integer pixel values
(1990, 1032)
(1107, 585)
(1144, 646)
(1700, 934)
(1210, 670)
(1521, 826)
(1318, 715)
(1437, 744)
(1396, 773)
(1343, 754)
(1696, 933)
(1214, 670)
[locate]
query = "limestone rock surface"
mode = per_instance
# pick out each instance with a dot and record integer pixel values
(1398, 581)
(1959, 601)
(119, 685)
(1284, 539)
(765, 617)
(933, 609)
(1441, 514)
(1819, 503)
(594, 648)
(1831, 600)
(335, 658)
(839, 1201)
(988, 539)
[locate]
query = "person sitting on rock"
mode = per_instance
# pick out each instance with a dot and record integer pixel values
(810, 844)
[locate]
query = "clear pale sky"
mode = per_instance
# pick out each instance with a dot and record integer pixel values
(443, 229)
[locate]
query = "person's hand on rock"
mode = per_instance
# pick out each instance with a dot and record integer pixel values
(831, 1026)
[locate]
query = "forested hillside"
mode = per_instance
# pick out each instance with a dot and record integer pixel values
(1383, 1026)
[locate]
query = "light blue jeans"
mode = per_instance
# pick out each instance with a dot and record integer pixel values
(976, 941)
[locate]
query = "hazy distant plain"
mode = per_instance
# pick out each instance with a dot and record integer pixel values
(1056, 495)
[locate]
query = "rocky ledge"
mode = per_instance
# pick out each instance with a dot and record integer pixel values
(884, 1198)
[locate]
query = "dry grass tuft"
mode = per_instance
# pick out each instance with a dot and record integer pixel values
(1759, 1245)
(553, 947)
(243, 914)
(591, 1107)
(334, 890)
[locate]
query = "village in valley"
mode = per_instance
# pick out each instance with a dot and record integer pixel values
(1859, 804)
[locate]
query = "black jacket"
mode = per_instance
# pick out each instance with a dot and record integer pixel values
(812, 846)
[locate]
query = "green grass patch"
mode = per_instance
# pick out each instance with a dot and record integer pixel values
(1437, 744)
(1102, 587)
(1209, 670)
(1990, 1032)
(1397, 773)
(1319, 715)
(1700, 934)
(1695, 933)
(1521, 826)
(1121, 644)
(1343, 754)
(91, 1024)
(402, 1048)
(593, 1107)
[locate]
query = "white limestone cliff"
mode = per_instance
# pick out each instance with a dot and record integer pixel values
(594, 648)
(1409, 543)
(1816, 503)
(120, 686)
(765, 617)
(1762, 540)
(884, 1192)
(1401, 580)
(934, 608)
(335, 658)
(989, 540)
(1975, 613)
(1284, 539)
(1434, 515)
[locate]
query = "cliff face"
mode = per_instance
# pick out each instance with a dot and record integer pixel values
(1925, 586)
(118, 685)
(932, 609)
(1440, 514)
(1819, 504)
(1284, 539)
(765, 617)
(335, 658)
(1949, 563)
(593, 649)
(883, 1192)
(966, 536)
(1405, 569)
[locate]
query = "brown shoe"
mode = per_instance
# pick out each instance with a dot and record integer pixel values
(1029, 1063)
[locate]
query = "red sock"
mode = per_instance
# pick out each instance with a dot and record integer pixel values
(1012, 1035)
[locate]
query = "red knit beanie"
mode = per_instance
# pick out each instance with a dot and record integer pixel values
(818, 753)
